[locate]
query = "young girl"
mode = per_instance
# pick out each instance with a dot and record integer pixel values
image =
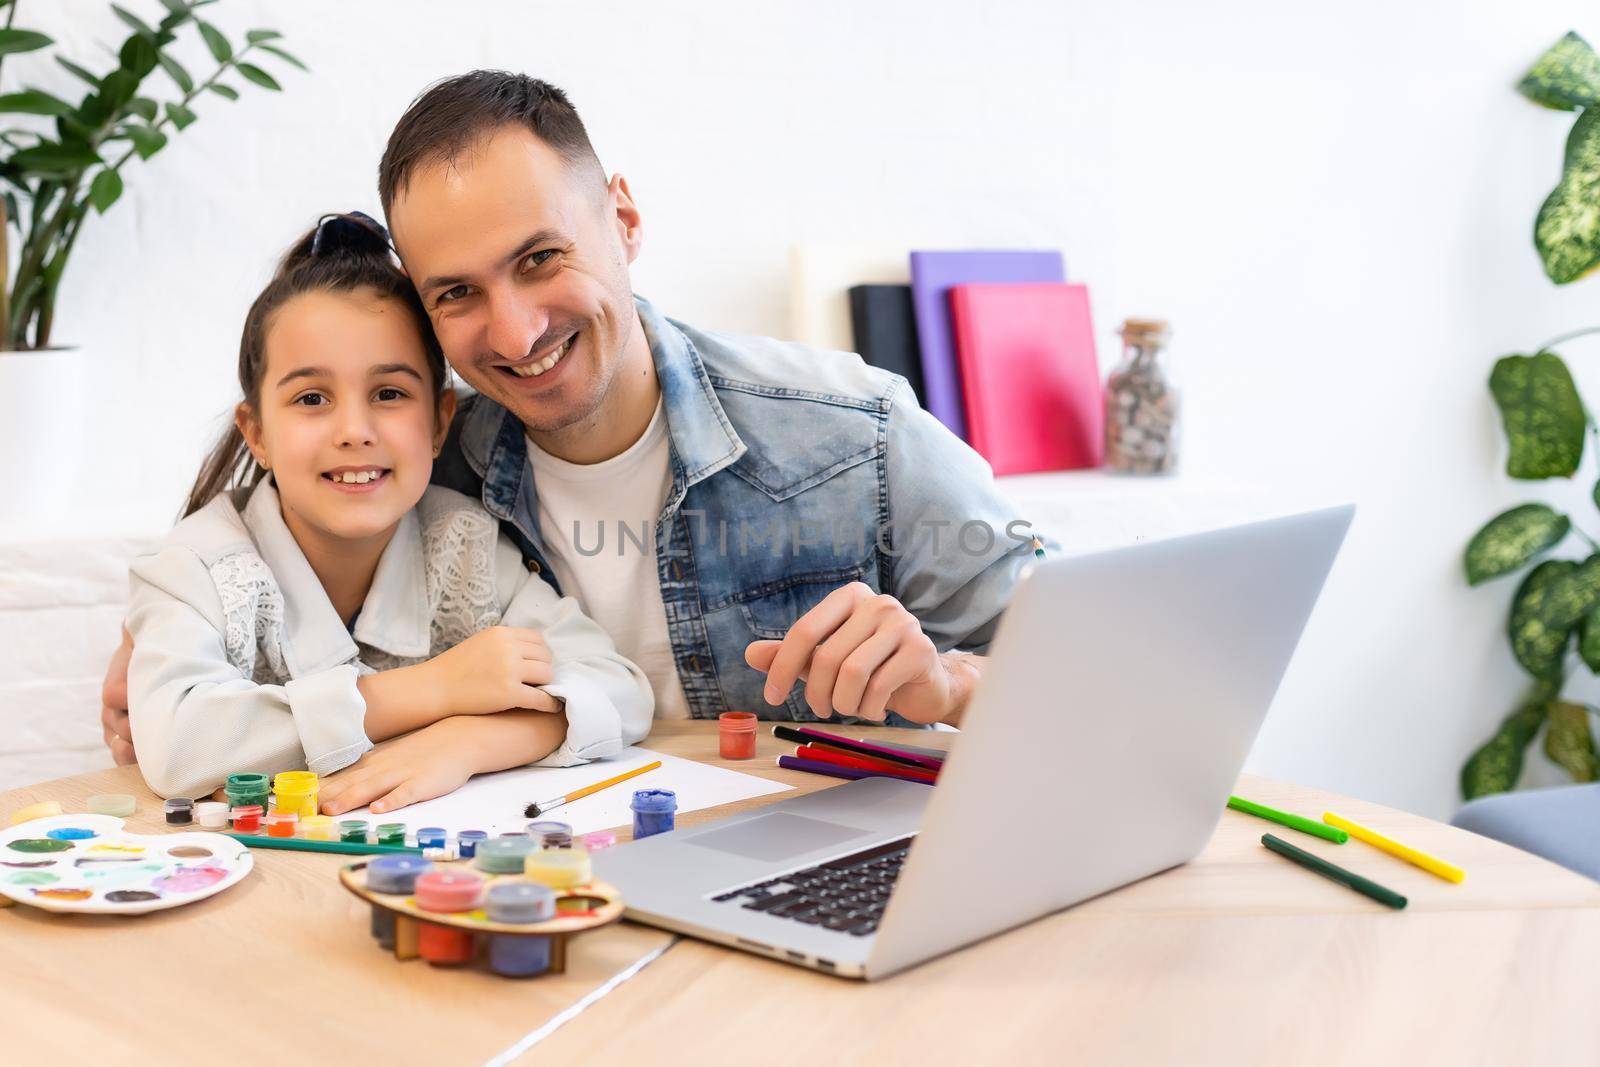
(319, 596)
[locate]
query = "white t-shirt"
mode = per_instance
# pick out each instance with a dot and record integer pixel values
(618, 586)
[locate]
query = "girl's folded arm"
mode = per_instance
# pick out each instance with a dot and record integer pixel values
(196, 717)
(608, 700)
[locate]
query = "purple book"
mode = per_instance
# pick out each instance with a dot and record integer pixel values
(932, 275)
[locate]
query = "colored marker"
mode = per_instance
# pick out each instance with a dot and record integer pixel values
(1038, 548)
(1284, 818)
(302, 844)
(1432, 864)
(835, 770)
(805, 735)
(1333, 872)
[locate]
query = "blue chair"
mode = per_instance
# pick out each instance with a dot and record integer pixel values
(1560, 824)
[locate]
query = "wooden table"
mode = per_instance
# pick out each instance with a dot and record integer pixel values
(1238, 957)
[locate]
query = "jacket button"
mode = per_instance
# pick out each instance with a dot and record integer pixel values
(533, 565)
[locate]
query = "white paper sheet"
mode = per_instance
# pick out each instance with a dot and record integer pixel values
(495, 802)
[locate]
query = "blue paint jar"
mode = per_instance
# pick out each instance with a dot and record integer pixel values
(392, 874)
(467, 842)
(431, 837)
(519, 902)
(654, 812)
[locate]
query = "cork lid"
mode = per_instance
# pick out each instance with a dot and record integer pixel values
(1144, 329)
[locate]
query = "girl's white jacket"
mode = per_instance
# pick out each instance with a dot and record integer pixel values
(240, 662)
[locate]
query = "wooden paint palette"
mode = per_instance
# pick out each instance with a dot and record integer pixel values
(578, 910)
(89, 863)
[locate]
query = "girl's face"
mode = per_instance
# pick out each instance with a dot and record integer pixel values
(346, 420)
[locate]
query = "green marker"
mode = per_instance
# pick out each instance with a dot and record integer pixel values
(302, 844)
(1293, 822)
(1333, 872)
(1038, 548)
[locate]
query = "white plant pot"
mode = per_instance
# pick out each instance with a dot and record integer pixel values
(44, 434)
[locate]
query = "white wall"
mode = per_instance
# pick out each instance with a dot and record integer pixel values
(1332, 205)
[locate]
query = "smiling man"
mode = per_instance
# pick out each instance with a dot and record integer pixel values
(759, 525)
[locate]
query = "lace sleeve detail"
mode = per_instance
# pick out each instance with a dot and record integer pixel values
(458, 540)
(252, 610)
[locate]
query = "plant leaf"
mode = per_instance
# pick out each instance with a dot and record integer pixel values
(1542, 414)
(105, 189)
(79, 71)
(182, 118)
(138, 56)
(221, 50)
(147, 141)
(34, 102)
(227, 92)
(174, 71)
(1566, 77)
(1567, 229)
(1497, 765)
(1568, 742)
(1589, 639)
(134, 22)
(259, 76)
(144, 107)
(14, 41)
(1512, 538)
(177, 7)
(56, 159)
(257, 36)
(285, 56)
(1538, 646)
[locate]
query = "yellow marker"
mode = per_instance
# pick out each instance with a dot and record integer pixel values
(1432, 864)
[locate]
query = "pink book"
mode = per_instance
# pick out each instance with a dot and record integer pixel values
(1029, 375)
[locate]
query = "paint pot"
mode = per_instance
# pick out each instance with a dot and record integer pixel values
(599, 840)
(318, 828)
(391, 833)
(519, 902)
(467, 842)
(119, 804)
(542, 832)
(736, 735)
(179, 811)
(42, 810)
(353, 831)
(247, 819)
(282, 823)
(559, 868)
(503, 855)
(431, 837)
(245, 790)
(446, 892)
(211, 814)
(295, 791)
(392, 874)
(654, 812)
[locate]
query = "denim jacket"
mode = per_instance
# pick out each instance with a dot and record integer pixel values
(794, 471)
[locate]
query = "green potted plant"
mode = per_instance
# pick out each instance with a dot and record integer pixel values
(1555, 610)
(62, 163)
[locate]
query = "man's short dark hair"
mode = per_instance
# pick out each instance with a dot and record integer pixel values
(452, 115)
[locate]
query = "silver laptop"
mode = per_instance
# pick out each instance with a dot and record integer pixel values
(1124, 692)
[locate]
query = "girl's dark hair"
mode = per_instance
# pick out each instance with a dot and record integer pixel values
(343, 253)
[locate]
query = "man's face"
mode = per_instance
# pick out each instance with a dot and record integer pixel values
(522, 263)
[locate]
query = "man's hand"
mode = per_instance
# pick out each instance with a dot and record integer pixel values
(114, 703)
(862, 653)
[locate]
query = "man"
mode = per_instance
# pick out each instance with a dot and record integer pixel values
(759, 525)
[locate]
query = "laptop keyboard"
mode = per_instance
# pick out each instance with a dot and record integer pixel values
(846, 894)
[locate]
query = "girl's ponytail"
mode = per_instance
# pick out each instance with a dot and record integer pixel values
(342, 253)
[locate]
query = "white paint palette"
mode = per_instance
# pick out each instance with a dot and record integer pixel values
(89, 863)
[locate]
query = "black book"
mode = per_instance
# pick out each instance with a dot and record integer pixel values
(886, 330)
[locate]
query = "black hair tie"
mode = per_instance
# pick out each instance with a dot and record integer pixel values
(354, 231)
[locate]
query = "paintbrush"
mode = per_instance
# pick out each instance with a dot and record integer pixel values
(533, 811)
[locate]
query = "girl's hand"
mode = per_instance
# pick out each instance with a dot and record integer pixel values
(496, 669)
(429, 763)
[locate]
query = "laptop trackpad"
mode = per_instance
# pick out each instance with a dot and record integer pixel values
(776, 836)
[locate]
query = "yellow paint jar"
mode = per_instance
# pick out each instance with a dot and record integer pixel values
(559, 868)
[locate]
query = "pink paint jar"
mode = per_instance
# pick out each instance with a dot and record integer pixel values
(736, 732)
(447, 892)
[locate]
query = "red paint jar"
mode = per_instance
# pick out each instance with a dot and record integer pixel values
(446, 891)
(247, 819)
(736, 732)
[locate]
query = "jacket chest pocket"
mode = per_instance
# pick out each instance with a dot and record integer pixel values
(768, 613)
